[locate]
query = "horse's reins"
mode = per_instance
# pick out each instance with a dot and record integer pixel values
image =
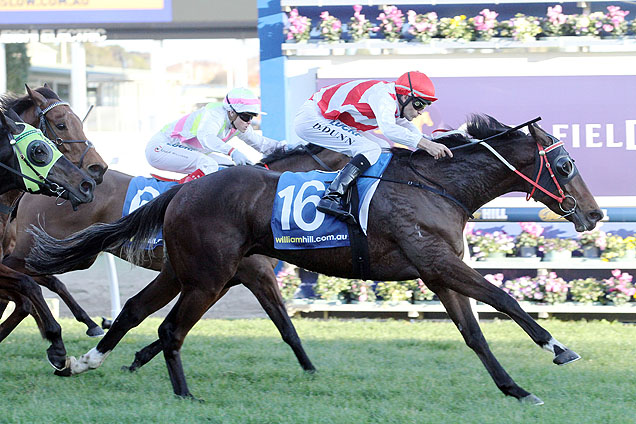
(46, 127)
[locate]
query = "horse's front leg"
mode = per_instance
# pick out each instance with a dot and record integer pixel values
(439, 263)
(459, 310)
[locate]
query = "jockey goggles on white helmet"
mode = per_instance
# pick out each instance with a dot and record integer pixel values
(244, 103)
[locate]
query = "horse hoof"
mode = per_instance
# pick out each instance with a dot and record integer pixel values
(128, 369)
(106, 323)
(66, 372)
(95, 332)
(531, 400)
(59, 364)
(565, 357)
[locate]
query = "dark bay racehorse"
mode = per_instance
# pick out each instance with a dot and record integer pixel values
(24, 148)
(412, 233)
(59, 221)
(42, 108)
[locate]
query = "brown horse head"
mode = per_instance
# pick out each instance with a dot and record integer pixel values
(577, 203)
(32, 162)
(60, 124)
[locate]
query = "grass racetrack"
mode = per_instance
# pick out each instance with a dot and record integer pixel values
(368, 372)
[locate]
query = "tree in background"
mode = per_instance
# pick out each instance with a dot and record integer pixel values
(18, 63)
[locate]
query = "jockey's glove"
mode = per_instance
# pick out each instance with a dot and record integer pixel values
(239, 158)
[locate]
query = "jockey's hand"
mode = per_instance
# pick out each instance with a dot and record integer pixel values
(239, 158)
(437, 150)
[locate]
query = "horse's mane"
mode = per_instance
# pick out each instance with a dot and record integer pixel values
(478, 127)
(282, 153)
(21, 103)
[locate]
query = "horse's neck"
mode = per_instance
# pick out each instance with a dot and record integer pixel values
(480, 177)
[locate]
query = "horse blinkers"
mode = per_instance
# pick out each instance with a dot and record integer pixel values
(39, 153)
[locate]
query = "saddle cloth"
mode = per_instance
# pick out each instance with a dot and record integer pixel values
(142, 190)
(296, 224)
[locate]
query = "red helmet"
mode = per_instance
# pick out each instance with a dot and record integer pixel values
(416, 84)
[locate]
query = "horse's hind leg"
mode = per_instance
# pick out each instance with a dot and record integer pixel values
(22, 310)
(188, 310)
(459, 309)
(51, 330)
(56, 286)
(153, 297)
(3, 306)
(146, 354)
(257, 274)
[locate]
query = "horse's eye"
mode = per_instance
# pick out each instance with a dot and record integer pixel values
(565, 166)
(60, 127)
(39, 153)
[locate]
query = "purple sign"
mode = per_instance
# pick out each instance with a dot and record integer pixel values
(594, 115)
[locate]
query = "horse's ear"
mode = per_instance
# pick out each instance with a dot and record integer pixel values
(9, 123)
(46, 85)
(37, 98)
(540, 135)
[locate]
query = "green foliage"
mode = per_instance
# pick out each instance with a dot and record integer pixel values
(586, 290)
(368, 372)
(18, 63)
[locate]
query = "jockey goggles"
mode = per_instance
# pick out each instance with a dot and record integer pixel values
(419, 103)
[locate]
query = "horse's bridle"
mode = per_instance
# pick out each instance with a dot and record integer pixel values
(563, 163)
(45, 126)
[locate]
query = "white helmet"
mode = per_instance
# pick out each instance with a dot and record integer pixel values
(242, 100)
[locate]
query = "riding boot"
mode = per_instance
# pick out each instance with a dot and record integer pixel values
(330, 202)
(193, 176)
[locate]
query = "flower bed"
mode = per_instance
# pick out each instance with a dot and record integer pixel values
(394, 25)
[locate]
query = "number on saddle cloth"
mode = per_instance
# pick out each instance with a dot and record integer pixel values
(296, 224)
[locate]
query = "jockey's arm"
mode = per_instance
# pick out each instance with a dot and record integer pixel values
(261, 143)
(400, 132)
(384, 110)
(207, 134)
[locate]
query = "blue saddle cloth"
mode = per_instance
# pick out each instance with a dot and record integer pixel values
(296, 224)
(142, 190)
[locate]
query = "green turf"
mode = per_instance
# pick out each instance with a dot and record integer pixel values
(368, 372)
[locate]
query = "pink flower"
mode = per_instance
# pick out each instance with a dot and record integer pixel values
(357, 8)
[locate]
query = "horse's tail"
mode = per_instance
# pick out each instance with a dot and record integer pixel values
(131, 234)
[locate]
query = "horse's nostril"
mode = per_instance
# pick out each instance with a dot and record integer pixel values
(87, 186)
(96, 171)
(595, 215)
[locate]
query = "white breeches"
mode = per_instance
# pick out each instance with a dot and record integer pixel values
(312, 127)
(169, 154)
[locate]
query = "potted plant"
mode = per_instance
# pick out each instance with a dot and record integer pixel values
(592, 242)
(393, 291)
(521, 27)
(493, 245)
(420, 293)
(299, 27)
(391, 22)
(629, 244)
(331, 289)
(456, 28)
(484, 24)
(586, 290)
(360, 28)
(330, 27)
(614, 248)
(288, 282)
(554, 288)
(422, 27)
(556, 249)
(360, 291)
(530, 237)
(619, 288)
